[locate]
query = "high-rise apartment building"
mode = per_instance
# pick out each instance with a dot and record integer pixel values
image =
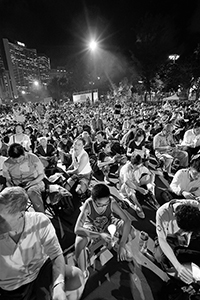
(24, 67)
(44, 68)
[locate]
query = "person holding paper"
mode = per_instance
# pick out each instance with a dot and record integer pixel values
(191, 139)
(96, 215)
(186, 182)
(166, 149)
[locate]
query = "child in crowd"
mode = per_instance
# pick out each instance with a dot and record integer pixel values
(95, 217)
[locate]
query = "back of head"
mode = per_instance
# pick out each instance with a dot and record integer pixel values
(99, 191)
(14, 199)
(15, 150)
(188, 217)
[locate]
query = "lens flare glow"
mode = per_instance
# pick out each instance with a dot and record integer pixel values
(93, 45)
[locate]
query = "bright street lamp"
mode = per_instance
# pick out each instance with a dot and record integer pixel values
(36, 83)
(174, 57)
(93, 45)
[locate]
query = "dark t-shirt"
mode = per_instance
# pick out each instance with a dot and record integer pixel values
(132, 145)
(102, 155)
(98, 147)
(66, 147)
(117, 109)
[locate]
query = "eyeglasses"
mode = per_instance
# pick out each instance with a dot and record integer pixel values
(102, 204)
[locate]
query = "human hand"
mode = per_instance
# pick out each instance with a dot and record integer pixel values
(188, 195)
(121, 253)
(58, 293)
(106, 237)
(185, 274)
(143, 191)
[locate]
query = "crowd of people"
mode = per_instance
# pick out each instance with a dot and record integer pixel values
(131, 142)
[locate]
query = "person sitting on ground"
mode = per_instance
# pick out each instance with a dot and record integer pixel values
(186, 182)
(191, 139)
(178, 227)
(166, 149)
(105, 160)
(100, 142)
(92, 223)
(64, 148)
(31, 259)
(47, 153)
(26, 170)
(137, 144)
(80, 170)
(20, 137)
(134, 178)
(88, 146)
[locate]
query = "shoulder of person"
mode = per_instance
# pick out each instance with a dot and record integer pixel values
(37, 218)
(31, 156)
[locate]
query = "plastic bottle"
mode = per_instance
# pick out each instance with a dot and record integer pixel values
(143, 243)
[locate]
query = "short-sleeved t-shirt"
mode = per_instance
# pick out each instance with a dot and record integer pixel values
(20, 263)
(24, 171)
(166, 224)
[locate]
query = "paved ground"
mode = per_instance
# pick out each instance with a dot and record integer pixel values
(110, 279)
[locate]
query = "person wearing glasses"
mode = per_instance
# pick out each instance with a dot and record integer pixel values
(186, 182)
(31, 258)
(96, 215)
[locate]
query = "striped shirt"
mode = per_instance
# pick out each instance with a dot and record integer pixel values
(20, 263)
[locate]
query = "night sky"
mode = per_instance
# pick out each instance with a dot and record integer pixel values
(61, 28)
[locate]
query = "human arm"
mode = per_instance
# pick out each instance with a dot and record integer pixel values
(104, 160)
(125, 231)
(40, 171)
(130, 148)
(58, 284)
(162, 222)
(80, 167)
(179, 183)
(131, 182)
(6, 174)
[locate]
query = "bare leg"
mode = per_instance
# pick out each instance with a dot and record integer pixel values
(80, 252)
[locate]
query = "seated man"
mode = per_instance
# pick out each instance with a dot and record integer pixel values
(26, 170)
(134, 178)
(80, 170)
(47, 153)
(167, 151)
(178, 231)
(64, 147)
(191, 139)
(105, 160)
(186, 182)
(99, 142)
(93, 221)
(31, 259)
